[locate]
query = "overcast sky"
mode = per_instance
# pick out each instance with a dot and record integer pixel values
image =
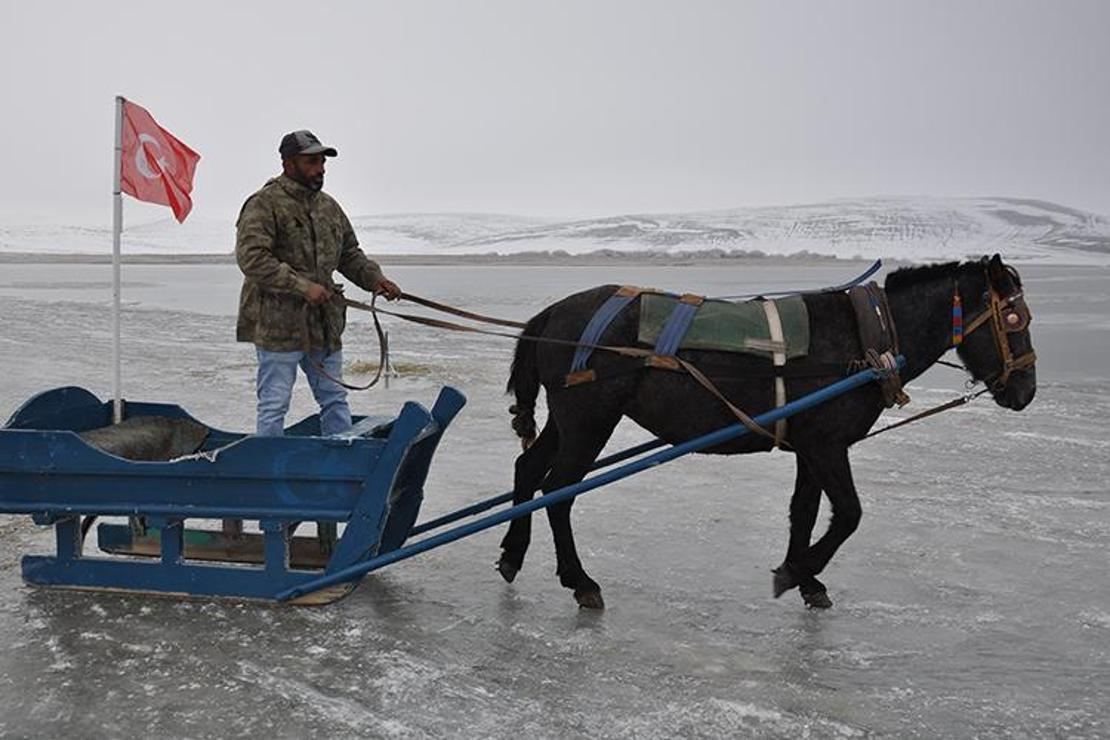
(564, 108)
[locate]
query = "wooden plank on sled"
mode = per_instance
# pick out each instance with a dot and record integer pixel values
(211, 545)
(323, 597)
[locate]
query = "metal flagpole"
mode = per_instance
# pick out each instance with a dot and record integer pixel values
(117, 227)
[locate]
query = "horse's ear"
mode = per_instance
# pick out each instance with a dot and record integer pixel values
(999, 276)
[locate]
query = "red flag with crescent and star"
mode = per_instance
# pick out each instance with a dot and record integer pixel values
(155, 167)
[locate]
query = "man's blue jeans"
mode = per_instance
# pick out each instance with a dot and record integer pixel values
(277, 372)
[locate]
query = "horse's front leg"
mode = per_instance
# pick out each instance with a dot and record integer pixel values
(804, 506)
(531, 467)
(831, 471)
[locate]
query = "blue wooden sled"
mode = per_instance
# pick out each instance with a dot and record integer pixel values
(371, 480)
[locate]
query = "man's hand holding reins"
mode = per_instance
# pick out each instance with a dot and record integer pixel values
(389, 289)
(317, 294)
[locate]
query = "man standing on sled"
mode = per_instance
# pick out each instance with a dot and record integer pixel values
(291, 237)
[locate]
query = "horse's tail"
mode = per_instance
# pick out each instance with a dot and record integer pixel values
(524, 380)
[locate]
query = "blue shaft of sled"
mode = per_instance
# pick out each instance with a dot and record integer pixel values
(568, 492)
(503, 498)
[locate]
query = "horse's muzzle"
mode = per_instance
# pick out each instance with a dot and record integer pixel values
(1019, 390)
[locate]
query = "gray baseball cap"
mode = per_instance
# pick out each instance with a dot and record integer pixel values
(303, 142)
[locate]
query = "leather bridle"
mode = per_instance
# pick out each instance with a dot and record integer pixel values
(1007, 315)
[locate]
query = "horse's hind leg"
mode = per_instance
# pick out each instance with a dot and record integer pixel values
(578, 449)
(532, 466)
(804, 506)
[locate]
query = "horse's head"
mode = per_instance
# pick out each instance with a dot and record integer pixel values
(996, 346)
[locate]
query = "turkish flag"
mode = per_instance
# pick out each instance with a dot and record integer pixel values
(156, 166)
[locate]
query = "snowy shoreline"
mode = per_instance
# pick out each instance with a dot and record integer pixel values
(911, 229)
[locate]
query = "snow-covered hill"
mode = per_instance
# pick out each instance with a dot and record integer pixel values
(895, 228)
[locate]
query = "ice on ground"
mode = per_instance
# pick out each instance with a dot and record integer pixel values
(970, 603)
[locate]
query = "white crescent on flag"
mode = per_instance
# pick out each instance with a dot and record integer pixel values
(143, 164)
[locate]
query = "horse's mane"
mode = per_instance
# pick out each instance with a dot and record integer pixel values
(907, 276)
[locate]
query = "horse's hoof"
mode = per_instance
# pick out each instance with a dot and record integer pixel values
(784, 580)
(817, 600)
(589, 599)
(507, 570)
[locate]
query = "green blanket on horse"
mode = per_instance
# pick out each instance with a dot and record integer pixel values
(729, 326)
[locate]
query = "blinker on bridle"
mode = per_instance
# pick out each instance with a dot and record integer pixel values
(1008, 315)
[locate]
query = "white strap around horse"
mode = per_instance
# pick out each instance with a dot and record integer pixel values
(778, 357)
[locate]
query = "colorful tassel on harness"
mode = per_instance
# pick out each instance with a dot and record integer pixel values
(957, 320)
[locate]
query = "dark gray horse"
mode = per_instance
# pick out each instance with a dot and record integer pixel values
(996, 349)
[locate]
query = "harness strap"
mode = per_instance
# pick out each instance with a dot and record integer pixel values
(778, 359)
(599, 322)
(678, 323)
(978, 321)
(878, 337)
(746, 420)
(588, 375)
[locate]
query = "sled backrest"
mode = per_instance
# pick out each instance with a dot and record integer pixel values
(67, 409)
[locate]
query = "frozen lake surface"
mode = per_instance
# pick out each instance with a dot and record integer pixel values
(972, 602)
